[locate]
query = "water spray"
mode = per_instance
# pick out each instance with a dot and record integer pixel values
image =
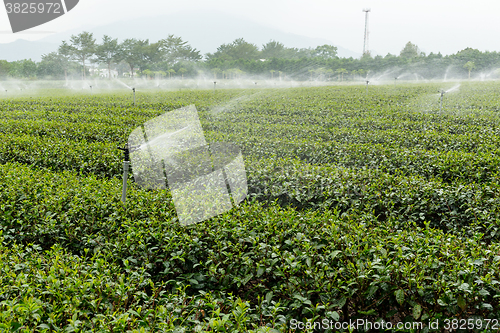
(441, 104)
(442, 92)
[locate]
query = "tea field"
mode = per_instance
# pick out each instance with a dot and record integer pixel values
(374, 205)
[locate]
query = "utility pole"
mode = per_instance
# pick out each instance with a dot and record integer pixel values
(365, 45)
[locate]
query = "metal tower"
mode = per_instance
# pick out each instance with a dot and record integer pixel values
(365, 45)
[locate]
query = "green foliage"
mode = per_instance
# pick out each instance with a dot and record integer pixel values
(469, 65)
(51, 66)
(23, 68)
(82, 48)
(173, 53)
(108, 52)
(326, 51)
(238, 49)
(176, 50)
(360, 206)
(133, 53)
(410, 51)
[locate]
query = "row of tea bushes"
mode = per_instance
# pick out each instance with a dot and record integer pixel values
(56, 291)
(315, 264)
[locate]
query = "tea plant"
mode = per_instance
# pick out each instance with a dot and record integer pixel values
(359, 206)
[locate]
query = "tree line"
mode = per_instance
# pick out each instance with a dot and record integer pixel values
(172, 57)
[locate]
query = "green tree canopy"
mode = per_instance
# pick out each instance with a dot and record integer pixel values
(239, 49)
(108, 52)
(410, 51)
(174, 50)
(469, 65)
(325, 52)
(4, 68)
(133, 53)
(274, 49)
(52, 64)
(23, 68)
(82, 48)
(65, 53)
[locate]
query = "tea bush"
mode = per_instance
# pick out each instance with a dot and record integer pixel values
(374, 206)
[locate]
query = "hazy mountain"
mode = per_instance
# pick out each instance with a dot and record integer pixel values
(204, 31)
(23, 49)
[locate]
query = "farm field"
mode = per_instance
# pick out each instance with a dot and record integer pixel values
(363, 203)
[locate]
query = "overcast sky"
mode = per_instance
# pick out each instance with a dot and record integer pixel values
(435, 26)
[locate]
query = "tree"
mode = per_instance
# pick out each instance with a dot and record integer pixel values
(133, 53)
(52, 65)
(469, 65)
(325, 52)
(65, 52)
(273, 49)
(311, 71)
(109, 52)
(182, 70)
(341, 72)
(468, 54)
(23, 68)
(362, 72)
(238, 49)
(272, 73)
(152, 54)
(82, 48)
(160, 74)
(4, 68)
(216, 71)
(149, 74)
(329, 72)
(410, 51)
(174, 50)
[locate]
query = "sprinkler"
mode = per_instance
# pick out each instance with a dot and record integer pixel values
(395, 80)
(367, 86)
(214, 85)
(133, 89)
(126, 165)
(91, 89)
(441, 104)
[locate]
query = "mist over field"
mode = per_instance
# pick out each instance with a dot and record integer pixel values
(82, 57)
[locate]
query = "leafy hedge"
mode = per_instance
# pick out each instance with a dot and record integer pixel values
(315, 264)
(360, 206)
